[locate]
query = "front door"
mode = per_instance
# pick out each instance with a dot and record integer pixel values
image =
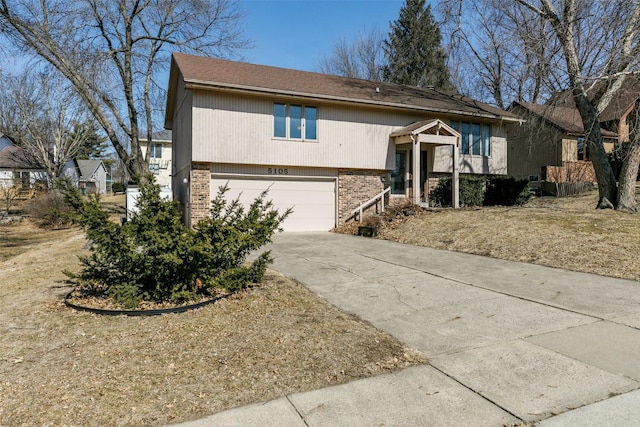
(401, 181)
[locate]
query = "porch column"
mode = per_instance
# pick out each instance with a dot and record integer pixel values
(416, 169)
(455, 176)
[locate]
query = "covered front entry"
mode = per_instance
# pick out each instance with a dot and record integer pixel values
(413, 145)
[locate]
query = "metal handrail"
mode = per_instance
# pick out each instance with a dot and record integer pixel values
(368, 203)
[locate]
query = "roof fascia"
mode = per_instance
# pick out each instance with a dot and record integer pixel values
(209, 86)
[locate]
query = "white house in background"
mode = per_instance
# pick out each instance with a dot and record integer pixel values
(321, 144)
(90, 176)
(159, 157)
(18, 167)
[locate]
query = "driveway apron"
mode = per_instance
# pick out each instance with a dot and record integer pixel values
(506, 342)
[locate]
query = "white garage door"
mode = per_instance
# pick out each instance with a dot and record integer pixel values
(313, 201)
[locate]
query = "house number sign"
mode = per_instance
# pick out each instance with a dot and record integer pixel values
(278, 171)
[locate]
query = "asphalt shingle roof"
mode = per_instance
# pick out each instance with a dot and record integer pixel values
(625, 98)
(209, 73)
(14, 157)
(565, 118)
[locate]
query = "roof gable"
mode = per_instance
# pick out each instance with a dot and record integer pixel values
(88, 168)
(210, 73)
(425, 126)
(564, 118)
(626, 97)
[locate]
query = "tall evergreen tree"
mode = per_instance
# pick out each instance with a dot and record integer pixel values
(94, 145)
(413, 50)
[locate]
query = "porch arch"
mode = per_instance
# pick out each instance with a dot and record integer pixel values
(430, 133)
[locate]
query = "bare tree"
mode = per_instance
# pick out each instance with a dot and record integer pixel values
(591, 47)
(40, 111)
(507, 55)
(113, 52)
(362, 58)
(614, 60)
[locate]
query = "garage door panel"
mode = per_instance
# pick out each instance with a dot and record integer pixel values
(312, 201)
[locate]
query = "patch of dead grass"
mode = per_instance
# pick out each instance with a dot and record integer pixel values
(564, 232)
(63, 367)
(17, 238)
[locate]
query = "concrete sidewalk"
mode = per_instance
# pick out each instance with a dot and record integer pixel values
(506, 342)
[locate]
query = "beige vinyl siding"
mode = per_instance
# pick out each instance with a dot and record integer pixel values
(182, 143)
(495, 164)
(272, 170)
(239, 130)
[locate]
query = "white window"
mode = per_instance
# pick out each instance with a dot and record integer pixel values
(295, 122)
(155, 151)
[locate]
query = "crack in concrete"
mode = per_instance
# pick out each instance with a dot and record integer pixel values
(298, 412)
(471, 389)
(462, 282)
(365, 279)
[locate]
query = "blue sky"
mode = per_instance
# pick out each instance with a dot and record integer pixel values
(297, 33)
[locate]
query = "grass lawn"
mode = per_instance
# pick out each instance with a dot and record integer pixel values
(564, 232)
(63, 367)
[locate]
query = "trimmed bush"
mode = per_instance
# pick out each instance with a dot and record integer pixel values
(155, 257)
(471, 191)
(506, 191)
(118, 187)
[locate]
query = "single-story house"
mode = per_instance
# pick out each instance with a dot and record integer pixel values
(550, 145)
(90, 176)
(159, 157)
(18, 167)
(322, 144)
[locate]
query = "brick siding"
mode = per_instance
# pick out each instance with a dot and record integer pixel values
(358, 186)
(200, 193)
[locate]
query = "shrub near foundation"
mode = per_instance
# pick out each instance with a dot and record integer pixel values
(471, 191)
(155, 257)
(506, 191)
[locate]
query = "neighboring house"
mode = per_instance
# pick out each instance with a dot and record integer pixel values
(159, 157)
(321, 144)
(550, 146)
(18, 167)
(90, 176)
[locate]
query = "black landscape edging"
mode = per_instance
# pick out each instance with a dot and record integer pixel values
(156, 312)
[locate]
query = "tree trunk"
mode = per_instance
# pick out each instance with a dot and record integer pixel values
(607, 188)
(628, 175)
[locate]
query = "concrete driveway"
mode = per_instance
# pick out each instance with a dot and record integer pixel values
(506, 342)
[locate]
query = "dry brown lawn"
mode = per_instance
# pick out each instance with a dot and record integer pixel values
(564, 232)
(63, 367)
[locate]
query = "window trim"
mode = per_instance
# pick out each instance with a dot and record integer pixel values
(469, 140)
(153, 151)
(304, 129)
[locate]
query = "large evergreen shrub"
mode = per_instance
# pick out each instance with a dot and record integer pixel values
(506, 191)
(471, 191)
(155, 257)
